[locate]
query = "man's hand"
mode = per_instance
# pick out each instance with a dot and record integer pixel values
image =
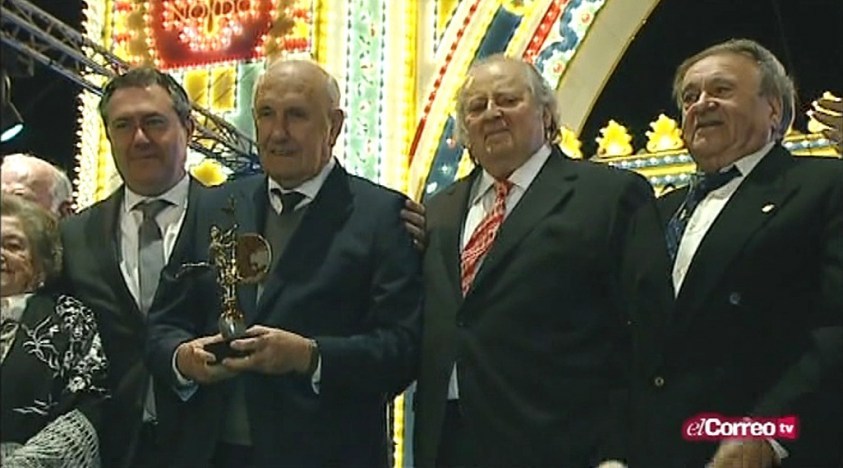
(415, 221)
(824, 112)
(271, 351)
(199, 365)
(743, 454)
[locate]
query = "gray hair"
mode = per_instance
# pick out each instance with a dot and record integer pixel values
(775, 82)
(42, 231)
(61, 189)
(332, 88)
(539, 88)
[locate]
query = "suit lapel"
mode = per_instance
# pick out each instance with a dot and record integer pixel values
(104, 225)
(311, 240)
(454, 211)
(553, 184)
(187, 231)
(757, 200)
(250, 213)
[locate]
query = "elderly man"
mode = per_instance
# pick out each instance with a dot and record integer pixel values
(756, 254)
(39, 181)
(116, 249)
(333, 329)
(524, 348)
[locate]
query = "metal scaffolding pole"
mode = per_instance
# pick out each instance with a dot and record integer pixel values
(36, 34)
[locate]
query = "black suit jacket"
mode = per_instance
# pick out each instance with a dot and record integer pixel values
(755, 329)
(92, 274)
(55, 365)
(349, 278)
(540, 340)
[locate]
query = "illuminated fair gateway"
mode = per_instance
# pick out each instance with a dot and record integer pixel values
(398, 63)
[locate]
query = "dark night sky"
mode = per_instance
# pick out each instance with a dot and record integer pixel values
(807, 35)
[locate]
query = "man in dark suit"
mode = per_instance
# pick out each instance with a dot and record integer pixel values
(333, 329)
(147, 120)
(524, 345)
(756, 249)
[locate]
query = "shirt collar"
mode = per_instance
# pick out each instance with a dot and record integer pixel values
(177, 195)
(13, 306)
(747, 163)
(521, 177)
(308, 188)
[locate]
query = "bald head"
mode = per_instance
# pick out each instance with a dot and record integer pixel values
(302, 72)
(39, 181)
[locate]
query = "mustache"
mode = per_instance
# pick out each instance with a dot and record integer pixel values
(280, 150)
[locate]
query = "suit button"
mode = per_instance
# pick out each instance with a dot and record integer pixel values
(658, 381)
(735, 298)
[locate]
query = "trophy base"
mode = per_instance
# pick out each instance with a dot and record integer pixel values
(223, 349)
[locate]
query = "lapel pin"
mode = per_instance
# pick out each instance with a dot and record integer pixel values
(768, 208)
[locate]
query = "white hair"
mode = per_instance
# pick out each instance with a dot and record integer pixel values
(61, 190)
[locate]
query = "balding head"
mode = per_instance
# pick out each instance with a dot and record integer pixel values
(39, 181)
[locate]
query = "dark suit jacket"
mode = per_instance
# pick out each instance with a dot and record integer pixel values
(92, 274)
(540, 340)
(755, 328)
(55, 365)
(350, 278)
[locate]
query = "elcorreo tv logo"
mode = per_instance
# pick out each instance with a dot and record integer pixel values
(715, 427)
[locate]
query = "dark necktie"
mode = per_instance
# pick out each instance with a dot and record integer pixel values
(150, 251)
(289, 200)
(701, 185)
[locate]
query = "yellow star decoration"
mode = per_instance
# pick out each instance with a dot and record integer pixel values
(815, 126)
(569, 143)
(666, 135)
(616, 140)
(209, 172)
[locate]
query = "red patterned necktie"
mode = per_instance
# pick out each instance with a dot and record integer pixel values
(483, 236)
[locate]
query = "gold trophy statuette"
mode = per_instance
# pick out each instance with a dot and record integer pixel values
(238, 259)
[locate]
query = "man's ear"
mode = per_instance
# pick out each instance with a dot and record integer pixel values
(776, 110)
(189, 127)
(335, 119)
(65, 209)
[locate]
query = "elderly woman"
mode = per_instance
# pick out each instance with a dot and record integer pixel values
(53, 366)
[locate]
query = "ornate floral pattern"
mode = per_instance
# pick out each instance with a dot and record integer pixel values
(68, 343)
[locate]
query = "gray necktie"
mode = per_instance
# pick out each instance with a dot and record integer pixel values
(150, 263)
(150, 251)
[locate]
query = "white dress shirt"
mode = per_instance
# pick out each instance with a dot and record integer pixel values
(170, 219)
(309, 188)
(482, 198)
(707, 212)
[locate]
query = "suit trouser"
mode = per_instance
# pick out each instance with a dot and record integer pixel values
(232, 456)
(457, 448)
(149, 450)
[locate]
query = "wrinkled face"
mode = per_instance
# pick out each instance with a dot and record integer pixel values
(148, 140)
(18, 273)
(29, 183)
(296, 124)
(505, 125)
(724, 115)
